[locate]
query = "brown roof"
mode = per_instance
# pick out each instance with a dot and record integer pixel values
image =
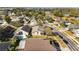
(38, 45)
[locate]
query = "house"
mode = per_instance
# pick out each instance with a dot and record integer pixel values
(11, 13)
(2, 12)
(27, 29)
(48, 13)
(66, 14)
(5, 46)
(22, 44)
(35, 44)
(20, 35)
(76, 17)
(33, 22)
(23, 32)
(66, 23)
(1, 20)
(73, 26)
(15, 18)
(76, 32)
(36, 30)
(8, 32)
(56, 23)
(26, 20)
(57, 18)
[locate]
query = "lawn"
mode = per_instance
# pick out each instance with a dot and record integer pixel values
(60, 41)
(42, 36)
(77, 39)
(17, 24)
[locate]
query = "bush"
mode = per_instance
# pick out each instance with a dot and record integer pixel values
(17, 23)
(7, 18)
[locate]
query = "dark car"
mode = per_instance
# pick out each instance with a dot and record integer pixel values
(56, 44)
(65, 41)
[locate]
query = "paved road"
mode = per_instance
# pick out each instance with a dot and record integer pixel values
(71, 37)
(71, 44)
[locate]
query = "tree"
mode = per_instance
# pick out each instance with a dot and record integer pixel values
(47, 31)
(49, 19)
(18, 11)
(2, 36)
(6, 33)
(58, 12)
(8, 19)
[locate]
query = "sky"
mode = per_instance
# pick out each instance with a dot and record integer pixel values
(39, 3)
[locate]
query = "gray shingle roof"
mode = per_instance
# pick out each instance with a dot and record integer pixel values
(4, 46)
(26, 28)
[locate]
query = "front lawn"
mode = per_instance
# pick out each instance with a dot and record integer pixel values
(17, 24)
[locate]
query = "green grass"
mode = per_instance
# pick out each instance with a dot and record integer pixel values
(17, 24)
(39, 36)
(77, 39)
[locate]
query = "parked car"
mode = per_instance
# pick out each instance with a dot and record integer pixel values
(65, 41)
(56, 44)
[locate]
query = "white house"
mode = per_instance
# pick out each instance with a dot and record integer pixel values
(23, 32)
(56, 23)
(77, 18)
(3, 22)
(26, 20)
(33, 22)
(36, 30)
(66, 14)
(11, 14)
(21, 35)
(48, 13)
(15, 18)
(22, 44)
(76, 32)
(68, 23)
(72, 26)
